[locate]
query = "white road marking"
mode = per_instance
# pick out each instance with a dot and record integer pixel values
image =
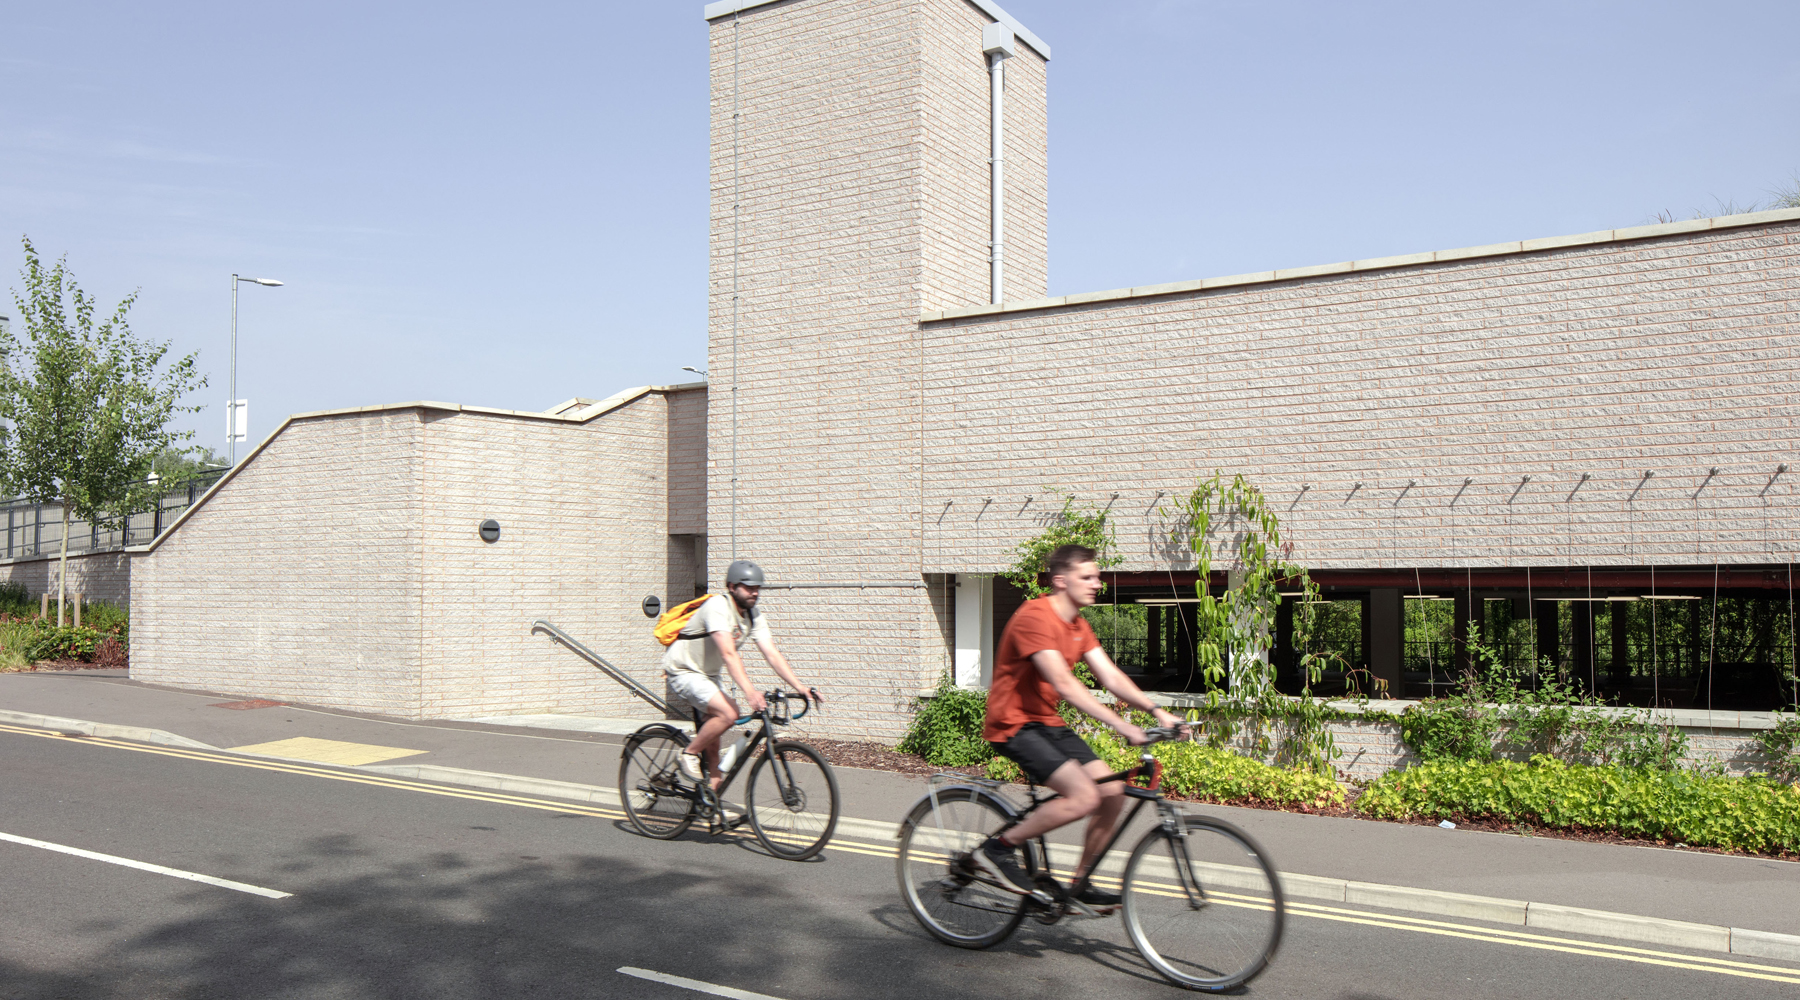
(694, 984)
(148, 867)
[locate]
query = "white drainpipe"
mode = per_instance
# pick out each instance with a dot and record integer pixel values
(998, 43)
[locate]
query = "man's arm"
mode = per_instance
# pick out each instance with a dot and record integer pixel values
(1055, 669)
(735, 667)
(780, 663)
(1113, 679)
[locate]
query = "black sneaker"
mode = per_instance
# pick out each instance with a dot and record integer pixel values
(1096, 897)
(1004, 859)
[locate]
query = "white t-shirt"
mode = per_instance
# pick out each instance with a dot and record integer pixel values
(699, 655)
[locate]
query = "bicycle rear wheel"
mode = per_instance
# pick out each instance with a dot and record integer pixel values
(650, 784)
(792, 801)
(1204, 905)
(959, 902)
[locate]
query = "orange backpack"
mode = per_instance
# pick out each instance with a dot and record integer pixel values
(672, 621)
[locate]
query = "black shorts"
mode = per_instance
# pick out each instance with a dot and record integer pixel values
(1041, 749)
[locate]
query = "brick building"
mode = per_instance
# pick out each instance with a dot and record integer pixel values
(1520, 431)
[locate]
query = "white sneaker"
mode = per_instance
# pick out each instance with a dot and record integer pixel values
(691, 767)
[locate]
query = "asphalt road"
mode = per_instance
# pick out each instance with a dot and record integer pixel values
(403, 889)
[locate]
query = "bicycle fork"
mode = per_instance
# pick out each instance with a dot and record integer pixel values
(1176, 832)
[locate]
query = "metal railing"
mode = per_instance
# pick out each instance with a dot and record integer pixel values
(35, 529)
(601, 664)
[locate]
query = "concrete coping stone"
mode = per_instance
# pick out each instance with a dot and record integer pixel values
(1372, 264)
(1690, 718)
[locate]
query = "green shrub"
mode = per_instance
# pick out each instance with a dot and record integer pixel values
(1782, 746)
(16, 600)
(15, 639)
(106, 617)
(49, 641)
(1450, 729)
(1752, 814)
(946, 727)
(1206, 773)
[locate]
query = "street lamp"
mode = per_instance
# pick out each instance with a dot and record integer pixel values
(232, 405)
(696, 371)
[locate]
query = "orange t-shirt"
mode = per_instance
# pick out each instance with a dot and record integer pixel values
(1019, 693)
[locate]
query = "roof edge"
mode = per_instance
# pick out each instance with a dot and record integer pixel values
(1373, 264)
(726, 8)
(581, 416)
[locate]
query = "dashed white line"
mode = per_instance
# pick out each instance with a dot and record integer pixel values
(222, 883)
(696, 985)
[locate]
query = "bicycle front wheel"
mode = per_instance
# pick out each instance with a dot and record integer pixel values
(650, 784)
(954, 898)
(1203, 904)
(792, 801)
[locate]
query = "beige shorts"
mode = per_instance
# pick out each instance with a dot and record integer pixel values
(697, 690)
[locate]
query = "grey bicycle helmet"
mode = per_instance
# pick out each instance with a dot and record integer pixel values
(745, 572)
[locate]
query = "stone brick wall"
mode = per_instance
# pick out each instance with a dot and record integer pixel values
(299, 579)
(101, 576)
(1675, 355)
(342, 564)
(955, 148)
(1393, 415)
(1370, 748)
(849, 194)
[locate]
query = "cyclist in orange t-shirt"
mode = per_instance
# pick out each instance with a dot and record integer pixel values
(1033, 671)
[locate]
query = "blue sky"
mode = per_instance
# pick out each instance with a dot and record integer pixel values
(506, 206)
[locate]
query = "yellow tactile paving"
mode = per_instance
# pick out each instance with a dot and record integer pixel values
(327, 751)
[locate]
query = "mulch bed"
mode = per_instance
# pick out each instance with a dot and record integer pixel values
(63, 665)
(873, 756)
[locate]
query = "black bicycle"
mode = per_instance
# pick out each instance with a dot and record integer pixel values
(1201, 902)
(791, 802)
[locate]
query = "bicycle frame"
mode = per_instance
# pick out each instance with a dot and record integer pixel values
(1145, 794)
(773, 715)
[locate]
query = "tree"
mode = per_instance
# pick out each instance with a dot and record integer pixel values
(85, 406)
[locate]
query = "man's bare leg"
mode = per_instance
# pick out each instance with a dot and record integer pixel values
(721, 712)
(1105, 819)
(1080, 797)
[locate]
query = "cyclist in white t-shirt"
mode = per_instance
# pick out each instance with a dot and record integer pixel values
(711, 640)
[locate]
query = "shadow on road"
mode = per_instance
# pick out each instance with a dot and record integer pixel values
(446, 926)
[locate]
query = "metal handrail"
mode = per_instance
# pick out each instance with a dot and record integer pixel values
(600, 663)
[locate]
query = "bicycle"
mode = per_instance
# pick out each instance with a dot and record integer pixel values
(1202, 903)
(793, 812)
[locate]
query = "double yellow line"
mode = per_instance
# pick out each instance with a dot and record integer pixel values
(1444, 928)
(359, 778)
(1417, 925)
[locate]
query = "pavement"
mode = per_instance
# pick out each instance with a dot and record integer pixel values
(1739, 905)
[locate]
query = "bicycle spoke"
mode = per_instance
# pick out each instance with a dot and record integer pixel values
(792, 801)
(651, 789)
(954, 899)
(1205, 909)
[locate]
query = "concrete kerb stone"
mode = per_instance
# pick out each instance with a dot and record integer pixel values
(1543, 916)
(1450, 904)
(135, 733)
(1765, 944)
(1629, 927)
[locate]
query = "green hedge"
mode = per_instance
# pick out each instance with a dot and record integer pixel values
(1752, 814)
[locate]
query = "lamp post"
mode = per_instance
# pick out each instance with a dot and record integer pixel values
(231, 405)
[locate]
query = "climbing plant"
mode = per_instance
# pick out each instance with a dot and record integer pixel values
(1231, 524)
(1077, 523)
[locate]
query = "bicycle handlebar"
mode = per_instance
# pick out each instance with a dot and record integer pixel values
(783, 697)
(1161, 734)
